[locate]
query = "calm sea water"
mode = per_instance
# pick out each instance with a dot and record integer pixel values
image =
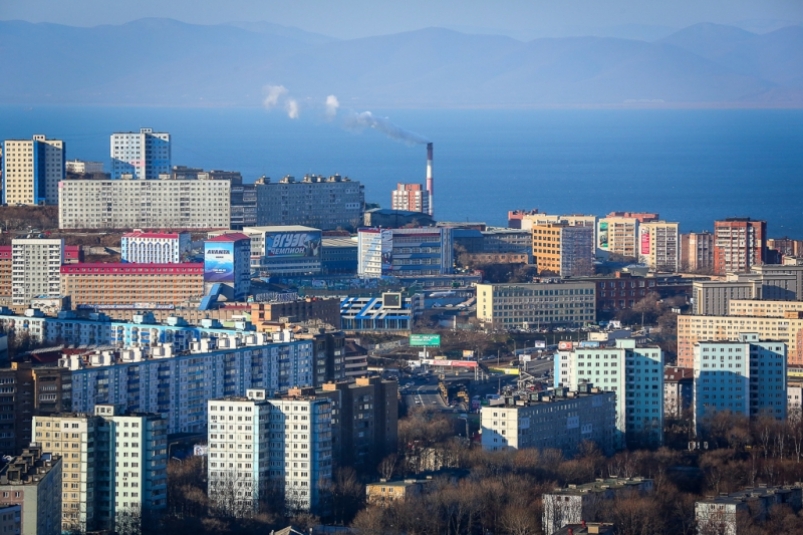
(690, 166)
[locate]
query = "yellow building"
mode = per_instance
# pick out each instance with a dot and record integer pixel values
(564, 250)
(618, 235)
(385, 492)
(32, 169)
(525, 306)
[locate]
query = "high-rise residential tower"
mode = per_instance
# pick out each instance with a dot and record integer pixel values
(35, 268)
(739, 244)
(32, 169)
(410, 197)
(141, 155)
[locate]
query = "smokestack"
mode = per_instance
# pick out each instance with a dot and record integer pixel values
(430, 186)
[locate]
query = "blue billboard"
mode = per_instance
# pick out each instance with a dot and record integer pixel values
(219, 262)
(300, 244)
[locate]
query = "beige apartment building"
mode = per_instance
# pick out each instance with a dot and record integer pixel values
(129, 204)
(32, 169)
(525, 306)
(618, 236)
(563, 250)
(773, 320)
(659, 245)
(697, 252)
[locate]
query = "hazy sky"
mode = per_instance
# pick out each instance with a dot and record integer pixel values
(359, 18)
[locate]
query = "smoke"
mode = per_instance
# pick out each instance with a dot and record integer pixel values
(332, 104)
(273, 94)
(291, 105)
(367, 119)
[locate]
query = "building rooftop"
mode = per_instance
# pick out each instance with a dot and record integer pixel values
(339, 242)
(676, 373)
(28, 468)
(750, 493)
(145, 234)
(230, 237)
(602, 485)
(281, 228)
(585, 528)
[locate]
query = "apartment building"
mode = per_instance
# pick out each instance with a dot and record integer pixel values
(35, 266)
(283, 444)
(16, 407)
(142, 155)
(525, 306)
(114, 465)
(526, 220)
(556, 419)
(315, 201)
(635, 373)
(140, 247)
(723, 514)
(33, 482)
(83, 167)
(73, 438)
(739, 244)
(404, 252)
(618, 236)
(124, 285)
(32, 170)
(11, 519)
(410, 197)
(697, 252)
(659, 246)
(563, 250)
(157, 381)
(746, 376)
(678, 391)
(130, 204)
(588, 501)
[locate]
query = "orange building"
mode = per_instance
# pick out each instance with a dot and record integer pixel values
(144, 285)
(739, 244)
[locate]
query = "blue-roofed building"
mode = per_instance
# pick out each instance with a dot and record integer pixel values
(389, 313)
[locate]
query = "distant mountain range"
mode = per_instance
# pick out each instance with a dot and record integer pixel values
(168, 63)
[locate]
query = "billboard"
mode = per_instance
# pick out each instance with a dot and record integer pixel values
(294, 244)
(565, 346)
(468, 354)
(450, 363)
(219, 261)
(644, 236)
(539, 344)
(603, 235)
(425, 340)
(588, 345)
(387, 251)
(391, 300)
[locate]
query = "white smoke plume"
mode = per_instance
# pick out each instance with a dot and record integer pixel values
(367, 119)
(332, 104)
(273, 94)
(291, 105)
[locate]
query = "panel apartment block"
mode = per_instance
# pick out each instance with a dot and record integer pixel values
(32, 169)
(525, 306)
(130, 204)
(140, 155)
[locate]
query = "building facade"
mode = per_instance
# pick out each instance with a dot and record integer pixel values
(724, 514)
(697, 252)
(130, 204)
(404, 252)
(33, 482)
(140, 247)
(678, 391)
(35, 269)
(747, 377)
(339, 256)
(227, 262)
(410, 197)
(315, 201)
(32, 170)
(142, 155)
(659, 246)
(557, 419)
(563, 250)
(390, 312)
(635, 374)
(618, 236)
(739, 244)
(285, 250)
(526, 306)
(113, 285)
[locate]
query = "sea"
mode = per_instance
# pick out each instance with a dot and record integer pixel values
(690, 166)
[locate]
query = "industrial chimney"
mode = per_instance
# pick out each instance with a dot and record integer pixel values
(430, 186)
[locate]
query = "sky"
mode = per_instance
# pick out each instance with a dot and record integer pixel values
(523, 19)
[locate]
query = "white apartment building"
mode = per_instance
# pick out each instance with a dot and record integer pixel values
(155, 380)
(526, 306)
(618, 235)
(556, 419)
(154, 247)
(32, 170)
(746, 376)
(635, 374)
(258, 445)
(410, 197)
(114, 465)
(73, 437)
(35, 269)
(238, 462)
(129, 204)
(659, 245)
(141, 155)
